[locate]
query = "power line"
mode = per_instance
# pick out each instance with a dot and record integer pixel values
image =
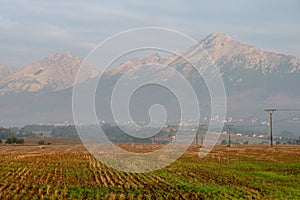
(288, 109)
(285, 119)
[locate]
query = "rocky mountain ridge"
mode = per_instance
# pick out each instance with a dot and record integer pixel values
(53, 73)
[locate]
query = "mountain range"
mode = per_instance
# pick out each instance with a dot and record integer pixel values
(254, 79)
(53, 73)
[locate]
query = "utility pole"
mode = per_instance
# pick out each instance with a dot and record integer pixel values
(202, 134)
(154, 141)
(229, 132)
(270, 111)
(201, 127)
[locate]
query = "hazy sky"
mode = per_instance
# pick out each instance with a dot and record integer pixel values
(33, 29)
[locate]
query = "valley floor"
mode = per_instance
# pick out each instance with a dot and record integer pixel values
(68, 171)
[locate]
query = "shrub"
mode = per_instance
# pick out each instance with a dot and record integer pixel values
(11, 140)
(14, 140)
(20, 141)
(41, 142)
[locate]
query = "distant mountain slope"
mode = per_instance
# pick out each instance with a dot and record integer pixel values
(53, 73)
(58, 72)
(243, 67)
(254, 80)
(6, 71)
(229, 54)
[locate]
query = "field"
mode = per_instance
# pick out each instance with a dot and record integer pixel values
(68, 171)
